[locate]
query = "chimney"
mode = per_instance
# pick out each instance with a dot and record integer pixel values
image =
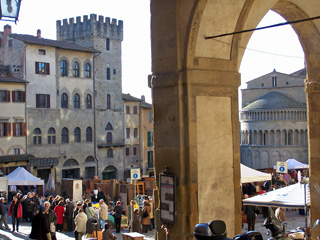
(38, 33)
(143, 98)
(7, 29)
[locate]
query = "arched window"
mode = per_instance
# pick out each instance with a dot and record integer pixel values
(51, 136)
(108, 74)
(64, 100)
(76, 101)
(76, 69)
(77, 135)
(64, 135)
(88, 101)
(87, 71)
(109, 137)
(89, 134)
(110, 172)
(37, 136)
(109, 127)
(63, 68)
(108, 101)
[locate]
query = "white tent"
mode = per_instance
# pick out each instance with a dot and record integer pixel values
(294, 164)
(21, 176)
(292, 196)
(251, 175)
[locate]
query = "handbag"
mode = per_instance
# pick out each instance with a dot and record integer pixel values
(145, 214)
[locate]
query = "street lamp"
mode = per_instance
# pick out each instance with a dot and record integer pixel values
(9, 10)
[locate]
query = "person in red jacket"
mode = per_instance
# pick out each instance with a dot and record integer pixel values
(15, 211)
(59, 211)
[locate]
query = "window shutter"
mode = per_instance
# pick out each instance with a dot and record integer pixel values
(13, 96)
(23, 96)
(37, 101)
(8, 96)
(48, 101)
(149, 139)
(9, 129)
(14, 129)
(24, 129)
(37, 68)
(47, 67)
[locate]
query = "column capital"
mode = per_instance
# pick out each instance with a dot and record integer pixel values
(312, 86)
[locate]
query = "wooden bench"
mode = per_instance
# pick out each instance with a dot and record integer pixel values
(132, 236)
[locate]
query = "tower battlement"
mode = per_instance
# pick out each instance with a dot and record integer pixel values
(89, 27)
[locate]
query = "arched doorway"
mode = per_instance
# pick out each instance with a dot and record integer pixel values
(195, 99)
(90, 167)
(110, 172)
(71, 169)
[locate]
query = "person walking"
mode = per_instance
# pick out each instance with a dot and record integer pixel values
(59, 211)
(117, 216)
(52, 220)
(80, 222)
(250, 211)
(68, 214)
(40, 229)
(145, 221)
(136, 225)
(151, 213)
(90, 211)
(103, 212)
(29, 207)
(107, 233)
(15, 212)
(3, 212)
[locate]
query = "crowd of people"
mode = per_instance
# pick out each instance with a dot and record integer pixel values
(47, 215)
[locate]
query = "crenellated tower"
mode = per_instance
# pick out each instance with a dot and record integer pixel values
(105, 36)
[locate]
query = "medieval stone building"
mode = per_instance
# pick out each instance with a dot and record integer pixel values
(274, 120)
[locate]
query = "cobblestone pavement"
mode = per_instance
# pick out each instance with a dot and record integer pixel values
(293, 218)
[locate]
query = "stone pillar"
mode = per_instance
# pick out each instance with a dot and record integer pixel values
(313, 100)
(196, 134)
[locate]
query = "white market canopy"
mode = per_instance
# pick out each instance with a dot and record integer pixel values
(289, 197)
(294, 164)
(251, 175)
(21, 176)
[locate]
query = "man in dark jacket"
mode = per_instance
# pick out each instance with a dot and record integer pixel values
(40, 228)
(3, 211)
(29, 204)
(52, 220)
(101, 195)
(68, 214)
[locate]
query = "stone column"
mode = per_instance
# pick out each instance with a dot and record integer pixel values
(313, 99)
(196, 134)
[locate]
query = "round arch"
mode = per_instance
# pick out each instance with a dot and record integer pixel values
(110, 172)
(202, 77)
(71, 169)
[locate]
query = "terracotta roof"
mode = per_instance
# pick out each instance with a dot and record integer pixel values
(274, 100)
(300, 73)
(146, 105)
(44, 162)
(8, 79)
(52, 43)
(127, 97)
(16, 158)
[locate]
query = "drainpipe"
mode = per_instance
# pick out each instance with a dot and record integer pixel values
(25, 103)
(94, 113)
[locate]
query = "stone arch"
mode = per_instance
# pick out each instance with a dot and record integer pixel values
(255, 137)
(256, 159)
(70, 163)
(272, 138)
(275, 157)
(296, 155)
(286, 155)
(110, 172)
(209, 71)
(278, 138)
(264, 162)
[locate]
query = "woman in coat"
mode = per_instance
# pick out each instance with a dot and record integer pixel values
(80, 222)
(59, 211)
(90, 211)
(145, 216)
(15, 211)
(40, 228)
(136, 225)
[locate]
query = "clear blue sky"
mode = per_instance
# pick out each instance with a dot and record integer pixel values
(136, 47)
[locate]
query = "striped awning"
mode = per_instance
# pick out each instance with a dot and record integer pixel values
(292, 196)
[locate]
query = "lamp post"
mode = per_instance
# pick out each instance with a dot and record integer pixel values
(9, 10)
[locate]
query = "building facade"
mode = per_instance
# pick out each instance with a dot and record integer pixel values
(274, 120)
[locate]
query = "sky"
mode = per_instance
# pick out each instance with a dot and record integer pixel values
(136, 46)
